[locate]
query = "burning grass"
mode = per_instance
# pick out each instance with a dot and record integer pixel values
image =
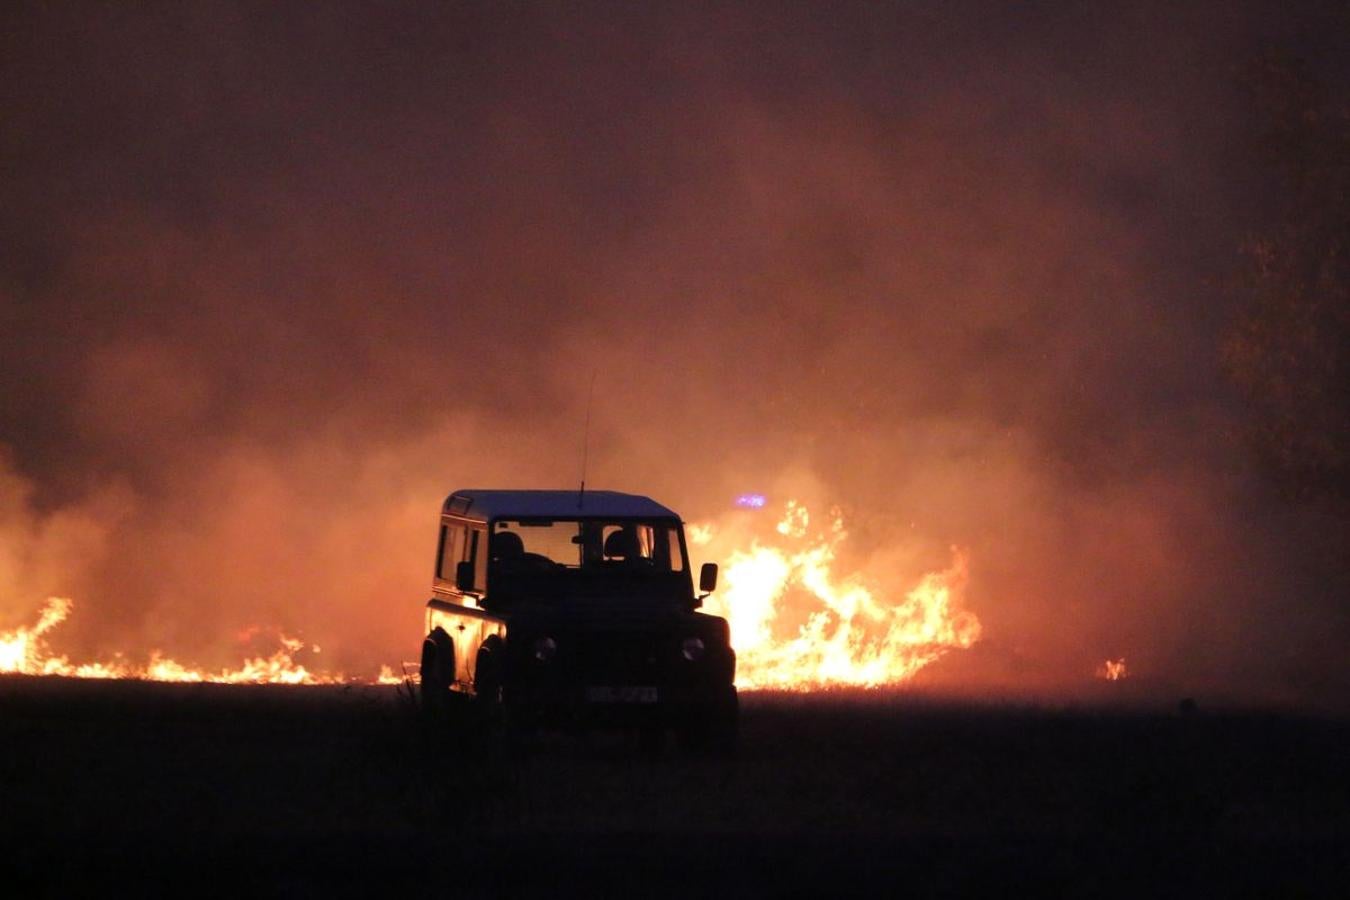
(850, 633)
(797, 622)
(25, 651)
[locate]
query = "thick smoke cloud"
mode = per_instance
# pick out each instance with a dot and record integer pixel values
(274, 280)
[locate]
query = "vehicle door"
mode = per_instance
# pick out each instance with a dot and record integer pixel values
(457, 609)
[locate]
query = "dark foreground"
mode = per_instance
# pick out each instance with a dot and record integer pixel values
(335, 792)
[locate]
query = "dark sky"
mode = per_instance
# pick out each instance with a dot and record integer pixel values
(275, 278)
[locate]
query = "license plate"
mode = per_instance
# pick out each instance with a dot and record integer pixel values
(621, 694)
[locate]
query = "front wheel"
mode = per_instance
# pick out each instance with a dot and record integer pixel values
(713, 728)
(498, 717)
(435, 679)
(488, 688)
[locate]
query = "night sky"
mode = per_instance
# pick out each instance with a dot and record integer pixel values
(275, 278)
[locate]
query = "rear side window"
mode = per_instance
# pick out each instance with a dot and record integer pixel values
(451, 552)
(478, 555)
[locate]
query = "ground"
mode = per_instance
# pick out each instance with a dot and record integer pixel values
(338, 791)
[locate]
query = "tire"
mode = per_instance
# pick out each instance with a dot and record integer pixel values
(651, 738)
(487, 685)
(724, 735)
(713, 728)
(436, 674)
(493, 714)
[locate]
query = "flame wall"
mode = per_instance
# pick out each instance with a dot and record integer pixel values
(272, 281)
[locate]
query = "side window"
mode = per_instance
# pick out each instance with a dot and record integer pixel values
(665, 548)
(452, 551)
(645, 544)
(440, 553)
(478, 554)
(670, 538)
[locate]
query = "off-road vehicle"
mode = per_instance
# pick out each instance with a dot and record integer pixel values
(568, 608)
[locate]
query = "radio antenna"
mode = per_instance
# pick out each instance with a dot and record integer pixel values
(586, 442)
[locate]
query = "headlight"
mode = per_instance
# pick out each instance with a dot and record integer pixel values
(545, 648)
(692, 648)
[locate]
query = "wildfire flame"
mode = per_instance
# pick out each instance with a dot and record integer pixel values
(1113, 670)
(24, 651)
(851, 635)
(795, 623)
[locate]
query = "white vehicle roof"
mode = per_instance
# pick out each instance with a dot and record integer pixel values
(485, 505)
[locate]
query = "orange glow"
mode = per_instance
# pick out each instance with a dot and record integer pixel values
(1113, 670)
(21, 649)
(852, 635)
(24, 651)
(796, 621)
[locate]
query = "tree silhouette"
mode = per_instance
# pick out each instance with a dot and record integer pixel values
(1287, 350)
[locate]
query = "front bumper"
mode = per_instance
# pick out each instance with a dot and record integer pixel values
(555, 704)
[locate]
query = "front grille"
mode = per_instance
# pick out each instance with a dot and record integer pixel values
(615, 658)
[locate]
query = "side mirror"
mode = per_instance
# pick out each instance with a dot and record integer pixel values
(707, 578)
(464, 576)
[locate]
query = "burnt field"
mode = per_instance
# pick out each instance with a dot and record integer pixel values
(322, 791)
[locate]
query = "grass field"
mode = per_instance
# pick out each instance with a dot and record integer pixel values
(306, 791)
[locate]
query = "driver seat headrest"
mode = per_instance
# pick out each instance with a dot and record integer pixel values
(507, 545)
(619, 544)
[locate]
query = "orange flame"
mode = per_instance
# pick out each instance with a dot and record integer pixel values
(1113, 670)
(21, 650)
(851, 635)
(24, 651)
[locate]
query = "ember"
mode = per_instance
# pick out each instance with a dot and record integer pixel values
(1113, 670)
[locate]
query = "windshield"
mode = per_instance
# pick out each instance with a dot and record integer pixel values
(550, 558)
(588, 543)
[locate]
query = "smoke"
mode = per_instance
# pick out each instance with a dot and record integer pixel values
(272, 282)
